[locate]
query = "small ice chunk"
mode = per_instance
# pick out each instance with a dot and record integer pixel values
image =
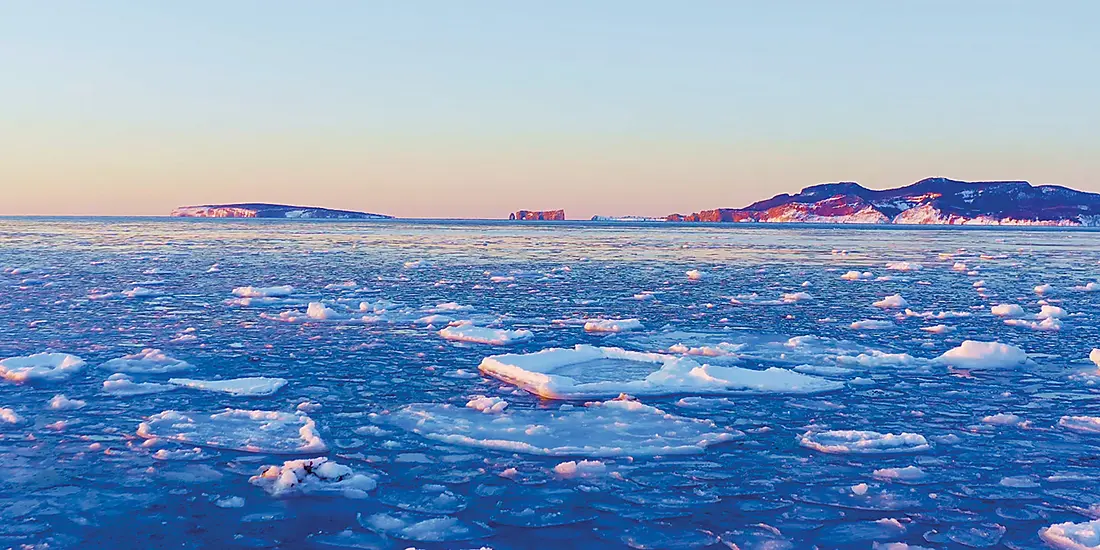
(612, 325)
(1073, 536)
(618, 427)
(1090, 287)
(904, 266)
(860, 489)
(62, 403)
(467, 332)
(1002, 419)
(250, 386)
(1007, 310)
(863, 442)
(487, 405)
(594, 372)
(1043, 289)
(871, 324)
(231, 502)
(695, 275)
(236, 429)
(856, 275)
(120, 385)
(148, 361)
(972, 354)
(1094, 356)
(40, 367)
(320, 312)
(938, 329)
(1081, 424)
(415, 527)
(263, 292)
(9, 416)
(313, 476)
(908, 473)
(141, 292)
(892, 301)
(584, 468)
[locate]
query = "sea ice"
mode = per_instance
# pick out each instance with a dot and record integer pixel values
(487, 405)
(467, 332)
(148, 361)
(263, 292)
(414, 527)
(892, 301)
(903, 266)
(612, 325)
(871, 324)
(237, 429)
(856, 275)
(584, 468)
(62, 403)
(250, 387)
(9, 416)
(1001, 419)
(695, 274)
(863, 442)
(313, 476)
(975, 355)
(593, 372)
(1073, 536)
(598, 429)
(1007, 310)
(908, 473)
(1081, 424)
(120, 385)
(40, 367)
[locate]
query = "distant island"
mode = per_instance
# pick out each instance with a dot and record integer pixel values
(265, 210)
(929, 201)
(538, 215)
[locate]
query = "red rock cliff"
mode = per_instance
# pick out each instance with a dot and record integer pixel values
(540, 215)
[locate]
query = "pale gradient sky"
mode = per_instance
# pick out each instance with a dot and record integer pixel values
(474, 109)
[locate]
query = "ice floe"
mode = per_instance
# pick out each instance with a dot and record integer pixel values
(147, 361)
(908, 473)
(281, 291)
(618, 427)
(1007, 310)
(903, 266)
(60, 402)
(592, 372)
(892, 301)
(1081, 424)
(414, 527)
(872, 324)
(313, 476)
(583, 468)
(863, 442)
(40, 367)
(695, 275)
(467, 332)
(121, 385)
(1073, 536)
(612, 325)
(237, 429)
(972, 354)
(488, 405)
(9, 416)
(856, 275)
(253, 386)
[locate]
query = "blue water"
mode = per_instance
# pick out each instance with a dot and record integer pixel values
(82, 478)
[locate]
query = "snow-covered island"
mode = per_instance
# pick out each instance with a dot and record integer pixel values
(265, 210)
(929, 201)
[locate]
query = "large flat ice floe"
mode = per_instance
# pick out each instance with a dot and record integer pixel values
(148, 361)
(40, 367)
(237, 429)
(1073, 536)
(618, 427)
(972, 354)
(313, 476)
(120, 385)
(593, 372)
(863, 442)
(253, 386)
(468, 332)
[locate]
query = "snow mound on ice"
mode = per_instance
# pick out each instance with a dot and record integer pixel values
(40, 367)
(856, 275)
(313, 476)
(120, 385)
(612, 325)
(593, 372)
(9, 416)
(1094, 356)
(584, 468)
(467, 332)
(903, 266)
(695, 275)
(908, 473)
(250, 386)
(415, 527)
(871, 324)
(618, 427)
(1007, 310)
(237, 429)
(1073, 536)
(863, 442)
(1081, 424)
(263, 291)
(972, 354)
(892, 301)
(148, 361)
(487, 405)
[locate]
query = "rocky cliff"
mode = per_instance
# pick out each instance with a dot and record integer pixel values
(539, 215)
(929, 201)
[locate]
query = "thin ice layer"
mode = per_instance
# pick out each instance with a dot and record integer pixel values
(238, 429)
(610, 428)
(147, 361)
(592, 372)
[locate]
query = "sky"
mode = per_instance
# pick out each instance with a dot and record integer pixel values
(474, 109)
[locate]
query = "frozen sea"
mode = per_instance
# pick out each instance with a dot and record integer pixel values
(363, 420)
